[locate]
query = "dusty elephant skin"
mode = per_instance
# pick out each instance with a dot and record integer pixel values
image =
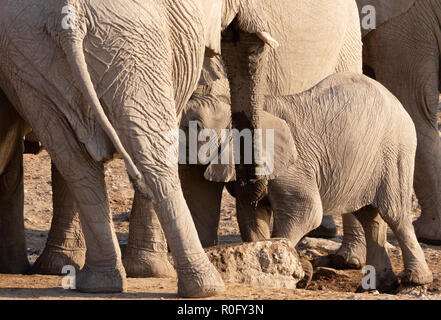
(13, 257)
(403, 54)
(299, 63)
(49, 94)
(65, 244)
(145, 252)
(364, 167)
(134, 131)
(328, 41)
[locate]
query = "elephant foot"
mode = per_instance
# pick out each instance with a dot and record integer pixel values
(101, 281)
(202, 282)
(53, 259)
(427, 231)
(350, 255)
(140, 263)
(419, 276)
(309, 271)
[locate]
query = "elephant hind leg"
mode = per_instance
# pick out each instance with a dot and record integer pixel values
(13, 258)
(394, 207)
(103, 270)
(147, 127)
(416, 271)
(65, 244)
(376, 234)
(146, 255)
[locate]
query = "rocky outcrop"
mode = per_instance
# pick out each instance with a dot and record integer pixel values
(270, 264)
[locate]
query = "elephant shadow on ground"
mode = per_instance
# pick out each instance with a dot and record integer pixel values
(60, 293)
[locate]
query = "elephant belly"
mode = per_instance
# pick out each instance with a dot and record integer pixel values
(350, 187)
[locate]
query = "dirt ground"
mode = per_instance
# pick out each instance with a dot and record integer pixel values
(325, 285)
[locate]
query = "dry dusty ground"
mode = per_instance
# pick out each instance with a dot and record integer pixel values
(38, 214)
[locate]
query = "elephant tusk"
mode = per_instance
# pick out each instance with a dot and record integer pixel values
(268, 39)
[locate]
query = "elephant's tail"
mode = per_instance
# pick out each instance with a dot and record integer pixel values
(75, 55)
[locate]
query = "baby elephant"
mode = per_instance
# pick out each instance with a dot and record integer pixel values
(356, 147)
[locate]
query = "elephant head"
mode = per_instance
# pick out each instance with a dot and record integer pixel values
(244, 34)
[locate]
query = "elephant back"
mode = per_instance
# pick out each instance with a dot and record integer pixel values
(311, 34)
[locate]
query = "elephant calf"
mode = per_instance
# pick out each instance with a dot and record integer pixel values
(356, 147)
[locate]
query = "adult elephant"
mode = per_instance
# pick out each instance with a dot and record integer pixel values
(403, 53)
(94, 77)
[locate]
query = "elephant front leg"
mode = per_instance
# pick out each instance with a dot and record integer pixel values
(13, 258)
(204, 201)
(297, 206)
(197, 277)
(427, 180)
(146, 255)
(65, 244)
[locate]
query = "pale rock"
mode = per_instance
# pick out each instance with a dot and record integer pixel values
(270, 264)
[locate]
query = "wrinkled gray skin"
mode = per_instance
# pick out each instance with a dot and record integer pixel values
(13, 258)
(404, 54)
(344, 166)
(51, 83)
(310, 49)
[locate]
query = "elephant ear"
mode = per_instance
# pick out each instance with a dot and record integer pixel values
(385, 10)
(212, 10)
(279, 152)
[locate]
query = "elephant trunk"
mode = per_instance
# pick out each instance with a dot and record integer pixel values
(246, 31)
(245, 56)
(77, 61)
